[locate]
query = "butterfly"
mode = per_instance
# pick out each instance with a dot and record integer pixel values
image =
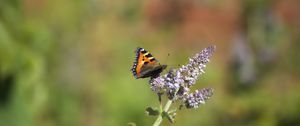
(145, 65)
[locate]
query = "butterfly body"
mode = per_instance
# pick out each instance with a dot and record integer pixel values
(146, 65)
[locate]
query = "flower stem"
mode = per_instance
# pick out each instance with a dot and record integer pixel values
(160, 117)
(158, 121)
(168, 105)
(166, 109)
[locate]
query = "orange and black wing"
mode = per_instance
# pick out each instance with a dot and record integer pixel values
(145, 65)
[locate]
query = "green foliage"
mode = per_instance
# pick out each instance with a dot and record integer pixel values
(67, 62)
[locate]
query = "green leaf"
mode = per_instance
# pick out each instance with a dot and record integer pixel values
(152, 111)
(170, 116)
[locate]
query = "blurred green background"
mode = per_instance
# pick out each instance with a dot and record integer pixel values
(67, 62)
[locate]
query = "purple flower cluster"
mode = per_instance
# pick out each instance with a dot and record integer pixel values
(177, 82)
(194, 100)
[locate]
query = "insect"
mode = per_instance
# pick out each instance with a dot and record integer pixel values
(145, 65)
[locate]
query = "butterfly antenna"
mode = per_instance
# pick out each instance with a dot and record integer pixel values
(170, 65)
(174, 65)
(167, 59)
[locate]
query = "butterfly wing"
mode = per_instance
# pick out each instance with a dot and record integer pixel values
(145, 65)
(151, 70)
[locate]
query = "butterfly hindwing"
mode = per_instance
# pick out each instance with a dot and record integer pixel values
(146, 65)
(151, 70)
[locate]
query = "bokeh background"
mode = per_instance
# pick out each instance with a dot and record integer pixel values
(67, 62)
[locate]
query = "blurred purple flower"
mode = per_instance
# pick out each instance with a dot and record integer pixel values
(194, 100)
(177, 82)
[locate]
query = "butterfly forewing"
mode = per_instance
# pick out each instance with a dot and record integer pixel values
(145, 65)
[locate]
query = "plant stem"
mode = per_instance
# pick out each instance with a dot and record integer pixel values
(158, 121)
(166, 108)
(160, 118)
(168, 105)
